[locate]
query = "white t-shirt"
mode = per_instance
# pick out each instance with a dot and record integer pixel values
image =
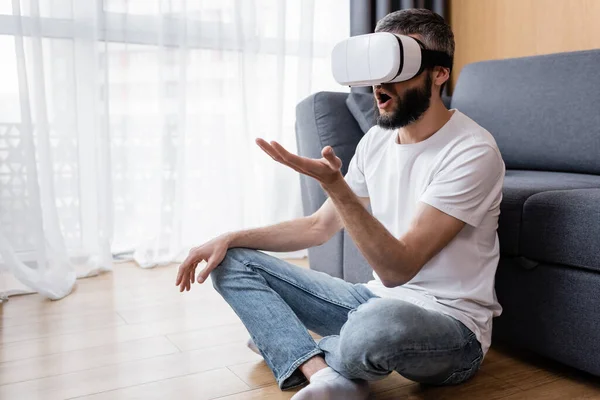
(459, 171)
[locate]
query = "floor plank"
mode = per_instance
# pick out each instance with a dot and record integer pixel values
(67, 362)
(393, 381)
(98, 337)
(214, 336)
(130, 334)
(174, 310)
(493, 356)
(572, 389)
(127, 374)
(24, 318)
(271, 392)
(255, 374)
(200, 386)
(482, 386)
(75, 323)
(521, 374)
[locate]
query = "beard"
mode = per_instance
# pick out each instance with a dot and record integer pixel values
(408, 109)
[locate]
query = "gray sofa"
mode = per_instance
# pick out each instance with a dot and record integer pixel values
(544, 112)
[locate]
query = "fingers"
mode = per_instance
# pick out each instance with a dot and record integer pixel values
(316, 169)
(282, 156)
(185, 265)
(179, 275)
(308, 166)
(277, 152)
(289, 158)
(187, 269)
(188, 275)
(333, 160)
(203, 275)
(183, 284)
(328, 153)
(193, 273)
(304, 165)
(185, 281)
(182, 272)
(267, 148)
(271, 151)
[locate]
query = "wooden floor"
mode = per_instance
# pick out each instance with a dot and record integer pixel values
(132, 335)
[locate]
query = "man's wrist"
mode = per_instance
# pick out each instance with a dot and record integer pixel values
(338, 186)
(230, 239)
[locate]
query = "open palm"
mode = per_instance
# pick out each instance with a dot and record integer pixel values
(326, 170)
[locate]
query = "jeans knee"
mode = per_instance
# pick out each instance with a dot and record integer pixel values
(216, 277)
(239, 253)
(367, 340)
(352, 355)
(360, 358)
(233, 264)
(358, 346)
(225, 267)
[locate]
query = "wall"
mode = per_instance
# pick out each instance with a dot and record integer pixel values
(494, 29)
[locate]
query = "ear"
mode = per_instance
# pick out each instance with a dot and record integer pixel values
(440, 75)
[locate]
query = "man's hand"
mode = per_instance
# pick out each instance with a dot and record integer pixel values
(212, 252)
(326, 170)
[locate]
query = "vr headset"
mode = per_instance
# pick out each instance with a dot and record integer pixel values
(382, 57)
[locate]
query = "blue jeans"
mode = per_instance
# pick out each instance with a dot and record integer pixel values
(364, 336)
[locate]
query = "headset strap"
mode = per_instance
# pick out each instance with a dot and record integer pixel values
(434, 58)
(429, 58)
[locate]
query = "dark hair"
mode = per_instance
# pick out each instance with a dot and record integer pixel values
(433, 30)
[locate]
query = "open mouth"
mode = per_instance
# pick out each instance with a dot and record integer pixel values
(383, 100)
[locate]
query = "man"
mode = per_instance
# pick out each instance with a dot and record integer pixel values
(433, 178)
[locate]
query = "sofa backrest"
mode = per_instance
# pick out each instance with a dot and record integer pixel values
(544, 111)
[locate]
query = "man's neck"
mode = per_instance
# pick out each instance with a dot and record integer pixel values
(430, 122)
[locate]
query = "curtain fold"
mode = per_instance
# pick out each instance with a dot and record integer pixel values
(134, 134)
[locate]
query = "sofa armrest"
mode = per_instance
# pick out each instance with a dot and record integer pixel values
(356, 267)
(322, 120)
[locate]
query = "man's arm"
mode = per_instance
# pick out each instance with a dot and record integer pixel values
(396, 260)
(292, 235)
(297, 234)
(402, 258)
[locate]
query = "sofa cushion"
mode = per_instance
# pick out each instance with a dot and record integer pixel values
(323, 119)
(356, 267)
(521, 185)
(551, 310)
(563, 227)
(362, 108)
(542, 110)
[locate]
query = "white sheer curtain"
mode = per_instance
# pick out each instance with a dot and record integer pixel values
(127, 126)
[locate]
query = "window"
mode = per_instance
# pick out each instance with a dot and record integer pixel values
(163, 81)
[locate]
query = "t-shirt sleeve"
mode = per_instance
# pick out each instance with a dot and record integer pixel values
(467, 184)
(355, 177)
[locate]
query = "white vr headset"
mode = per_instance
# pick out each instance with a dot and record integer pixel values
(382, 57)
